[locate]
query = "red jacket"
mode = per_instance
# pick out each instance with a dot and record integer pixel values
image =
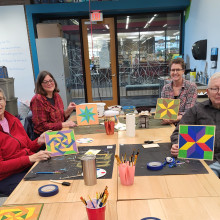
(45, 115)
(15, 148)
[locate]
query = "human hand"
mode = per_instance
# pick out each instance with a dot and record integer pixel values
(167, 121)
(71, 106)
(68, 124)
(41, 155)
(69, 109)
(174, 150)
(41, 139)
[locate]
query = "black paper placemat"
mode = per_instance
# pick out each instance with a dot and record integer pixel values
(70, 165)
(159, 154)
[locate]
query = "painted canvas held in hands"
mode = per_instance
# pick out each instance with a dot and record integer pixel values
(87, 114)
(61, 142)
(196, 141)
(167, 109)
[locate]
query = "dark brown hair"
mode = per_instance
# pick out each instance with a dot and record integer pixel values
(38, 88)
(177, 61)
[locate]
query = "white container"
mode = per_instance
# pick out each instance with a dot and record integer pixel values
(100, 108)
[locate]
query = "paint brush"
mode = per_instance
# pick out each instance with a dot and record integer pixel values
(60, 182)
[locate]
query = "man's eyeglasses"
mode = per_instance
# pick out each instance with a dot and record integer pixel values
(48, 82)
(214, 90)
(175, 70)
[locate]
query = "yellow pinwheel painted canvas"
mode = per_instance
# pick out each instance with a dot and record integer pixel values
(167, 109)
(22, 212)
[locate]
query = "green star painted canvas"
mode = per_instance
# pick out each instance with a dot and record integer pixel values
(87, 114)
(167, 109)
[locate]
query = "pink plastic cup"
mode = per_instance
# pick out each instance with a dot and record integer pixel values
(126, 174)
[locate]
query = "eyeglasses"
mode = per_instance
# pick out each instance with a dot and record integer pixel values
(48, 82)
(214, 90)
(177, 70)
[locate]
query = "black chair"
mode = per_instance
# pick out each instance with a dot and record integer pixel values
(29, 126)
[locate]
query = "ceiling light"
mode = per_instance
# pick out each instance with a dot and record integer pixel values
(127, 22)
(176, 33)
(74, 21)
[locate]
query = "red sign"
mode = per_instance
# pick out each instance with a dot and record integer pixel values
(96, 16)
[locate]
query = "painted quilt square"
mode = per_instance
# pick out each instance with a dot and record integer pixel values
(196, 141)
(61, 142)
(21, 212)
(167, 109)
(87, 114)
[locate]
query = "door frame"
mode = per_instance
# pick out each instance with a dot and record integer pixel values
(113, 53)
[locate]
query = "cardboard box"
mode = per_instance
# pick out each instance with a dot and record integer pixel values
(49, 30)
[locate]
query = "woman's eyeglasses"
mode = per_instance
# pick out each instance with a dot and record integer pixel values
(48, 82)
(175, 70)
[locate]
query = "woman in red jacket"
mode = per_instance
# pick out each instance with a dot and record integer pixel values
(17, 151)
(47, 106)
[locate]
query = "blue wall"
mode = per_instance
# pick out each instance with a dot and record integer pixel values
(34, 12)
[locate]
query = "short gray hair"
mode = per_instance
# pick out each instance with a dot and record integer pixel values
(2, 92)
(214, 76)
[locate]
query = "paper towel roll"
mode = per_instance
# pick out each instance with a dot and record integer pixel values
(130, 125)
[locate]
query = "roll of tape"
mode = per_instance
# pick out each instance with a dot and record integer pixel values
(48, 190)
(154, 166)
(150, 218)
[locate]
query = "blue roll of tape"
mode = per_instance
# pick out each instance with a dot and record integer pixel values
(48, 190)
(154, 166)
(150, 218)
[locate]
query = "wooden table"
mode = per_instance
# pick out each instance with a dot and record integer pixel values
(167, 191)
(75, 210)
(27, 191)
(199, 208)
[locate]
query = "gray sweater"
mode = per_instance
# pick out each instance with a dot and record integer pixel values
(202, 114)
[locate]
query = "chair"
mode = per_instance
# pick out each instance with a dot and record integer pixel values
(29, 126)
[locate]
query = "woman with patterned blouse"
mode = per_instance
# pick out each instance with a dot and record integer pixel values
(47, 106)
(179, 88)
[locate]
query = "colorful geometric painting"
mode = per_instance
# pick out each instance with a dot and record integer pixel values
(21, 212)
(167, 109)
(61, 142)
(196, 141)
(87, 114)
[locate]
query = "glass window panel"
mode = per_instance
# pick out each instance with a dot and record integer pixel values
(146, 44)
(100, 64)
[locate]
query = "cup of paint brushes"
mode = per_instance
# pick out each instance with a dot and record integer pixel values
(126, 173)
(94, 211)
(109, 123)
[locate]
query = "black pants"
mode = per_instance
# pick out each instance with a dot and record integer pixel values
(8, 184)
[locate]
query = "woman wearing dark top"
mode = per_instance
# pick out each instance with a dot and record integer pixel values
(47, 106)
